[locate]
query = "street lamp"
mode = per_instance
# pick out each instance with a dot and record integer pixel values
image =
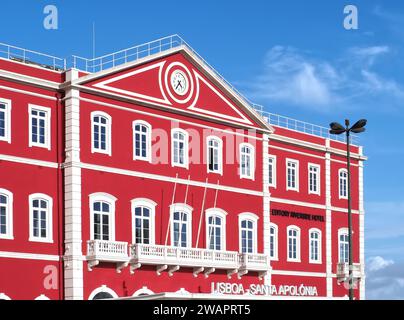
(337, 128)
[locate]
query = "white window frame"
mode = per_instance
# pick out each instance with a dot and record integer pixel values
(252, 161)
(148, 157)
(275, 255)
(296, 162)
(254, 218)
(340, 171)
(151, 205)
(298, 240)
(110, 199)
(108, 137)
(49, 218)
(216, 212)
(9, 215)
(273, 158)
(319, 260)
(317, 180)
(7, 120)
(186, 148)
(181, 207)
(219, 156)
(342, 231)
(101, 289)
(48, 112)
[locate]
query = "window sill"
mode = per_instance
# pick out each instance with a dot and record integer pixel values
(6, 237)
(31, 239)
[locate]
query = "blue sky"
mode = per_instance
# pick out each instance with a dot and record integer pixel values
(294, 57)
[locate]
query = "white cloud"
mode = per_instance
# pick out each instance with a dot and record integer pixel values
(378, 263)
(384, 279)
(292, 76)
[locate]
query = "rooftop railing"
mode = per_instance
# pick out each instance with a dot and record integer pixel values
(32, 57)
(145, 50)
(301, 126)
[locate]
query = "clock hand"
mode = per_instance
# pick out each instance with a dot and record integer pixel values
(179, 84)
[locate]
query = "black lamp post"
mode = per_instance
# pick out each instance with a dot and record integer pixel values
(337, 128)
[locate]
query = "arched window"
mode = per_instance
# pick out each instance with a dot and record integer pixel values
(215, 155)
(4, 296)
(102, 216)
(247, 161)
(143, 221)
(143, 292)
(102, 292)
(142, 140)
(315, 245)
(293, 233)
(248, 232)
(179, 145)
(343, 245)
(40, 211)
(181, 225)
(101, 132)
(6, 214)
(216, 229)
(273, 241)
(343, 183)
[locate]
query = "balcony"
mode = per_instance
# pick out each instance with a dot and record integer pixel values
(201, 260)
(343, 271)
(107, 251)
(254, 262)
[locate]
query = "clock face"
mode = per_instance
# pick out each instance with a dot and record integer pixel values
(179, 82)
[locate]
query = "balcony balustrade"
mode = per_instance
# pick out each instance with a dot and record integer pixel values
(107, 251)
(201, 260)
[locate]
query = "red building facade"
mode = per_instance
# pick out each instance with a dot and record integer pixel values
(146, 173)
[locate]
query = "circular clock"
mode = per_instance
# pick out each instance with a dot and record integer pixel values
(179, 82)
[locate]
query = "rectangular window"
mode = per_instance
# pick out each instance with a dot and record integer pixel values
(292, 173)
(214, 155)
(247, 161)
(315, 247)
(5, 120)
(39, 126)
(272, 171)
(314, 179)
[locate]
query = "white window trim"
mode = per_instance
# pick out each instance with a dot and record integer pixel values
(288, 160)
(101, 196)
(4, 296)
(275, 226)
(148, 157)
(212, 212)
(254, 218)
(108, 151)
(298, 240)
(49, 223)
(42, 297)
(48, 111)
(105, 289)
(339, 183)
(186, 148)
(184, 208)
(318, 180)
(9, 216)
(341, 231)
(273, 184)
(143, 291)
(220, 154)
(7, 119)
(252, 169)
(150, 204)
(320, 246)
